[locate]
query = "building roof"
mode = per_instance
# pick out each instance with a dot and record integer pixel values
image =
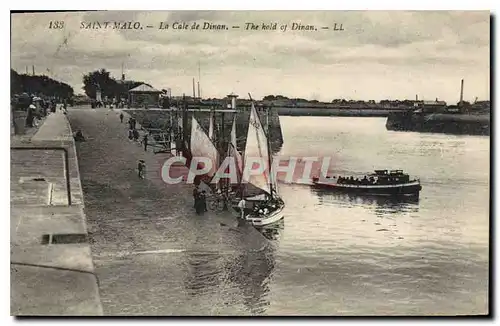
(434, 103)
(143, 88)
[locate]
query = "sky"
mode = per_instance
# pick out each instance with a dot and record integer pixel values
(378, 55)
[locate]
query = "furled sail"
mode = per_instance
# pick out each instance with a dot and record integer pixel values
(202, 146)
(211, 126)
(257, 148)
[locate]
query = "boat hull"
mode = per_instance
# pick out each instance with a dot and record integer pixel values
(264, 220)
(408, 189)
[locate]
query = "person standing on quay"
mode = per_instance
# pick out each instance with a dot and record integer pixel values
(121, 117)
(145, 142)
(242, 207)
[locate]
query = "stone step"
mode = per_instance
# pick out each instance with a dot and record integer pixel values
(43, 163)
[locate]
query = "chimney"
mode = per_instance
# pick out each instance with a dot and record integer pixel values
(33, 70)
(199, 94)
(416, 97)
(194, 92)
(123, 77)
(461, 91)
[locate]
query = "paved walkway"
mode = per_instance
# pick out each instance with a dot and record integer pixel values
(55, 278)
(153, 254)
(55, 127)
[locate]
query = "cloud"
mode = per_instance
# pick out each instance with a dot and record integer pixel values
(438, 45)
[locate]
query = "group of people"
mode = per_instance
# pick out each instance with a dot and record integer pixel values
(107, 103)
(262, 208)
(356, 181)
(133, 133)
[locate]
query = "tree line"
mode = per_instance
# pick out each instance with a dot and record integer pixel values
(39, 85)
(109, 86)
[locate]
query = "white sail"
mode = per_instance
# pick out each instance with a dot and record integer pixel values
(211, 126)
(233, 133)
(257, 148)
(202, 146)
(232, 150)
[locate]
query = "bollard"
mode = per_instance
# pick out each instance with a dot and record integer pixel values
(19, 119)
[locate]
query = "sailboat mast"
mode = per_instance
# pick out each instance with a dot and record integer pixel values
(185, 143)
(199, 79)
(269, 152)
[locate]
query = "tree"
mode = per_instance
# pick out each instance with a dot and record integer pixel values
(100, 79)
(110, 87)
(39, 85)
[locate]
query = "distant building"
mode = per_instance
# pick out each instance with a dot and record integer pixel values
(431, 106)
(231, 101)
(144, 95)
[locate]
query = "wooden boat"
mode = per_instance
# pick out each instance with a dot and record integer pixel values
(266, 206)
(380, 183)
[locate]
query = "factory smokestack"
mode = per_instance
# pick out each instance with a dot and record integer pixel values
(199, 93)
(33, 70)
(416, 97)
(194, 92)
(461, 91)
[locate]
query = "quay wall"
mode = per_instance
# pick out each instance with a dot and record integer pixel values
(338, 112)
(460, 124)
(223, 123)
(52, 271)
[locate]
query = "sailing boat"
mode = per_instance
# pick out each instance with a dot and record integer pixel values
(267, 204)
(202, 146)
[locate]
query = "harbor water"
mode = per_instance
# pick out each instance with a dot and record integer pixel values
(333, 255)
(370, 256)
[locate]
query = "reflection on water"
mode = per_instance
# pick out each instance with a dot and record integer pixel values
(379, 204)
(202, 273)
(251, 272)
(273, 232)
(232, 271)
